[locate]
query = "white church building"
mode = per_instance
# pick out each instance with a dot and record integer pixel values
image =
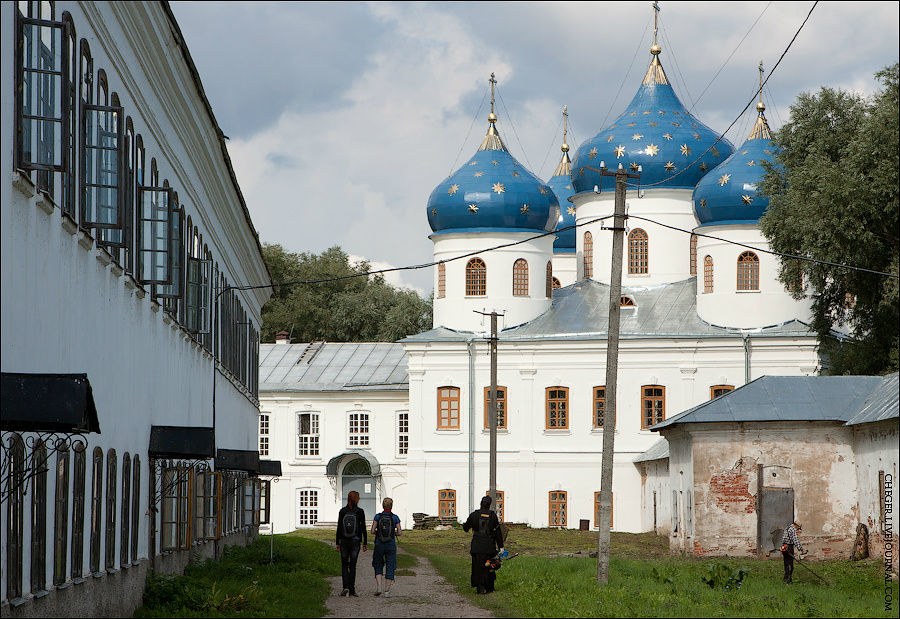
(700, 316)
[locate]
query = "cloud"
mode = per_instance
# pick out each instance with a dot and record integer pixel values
(394, 278)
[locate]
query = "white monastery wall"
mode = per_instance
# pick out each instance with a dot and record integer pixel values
(656, 502)
(876, 455)
(565, 268)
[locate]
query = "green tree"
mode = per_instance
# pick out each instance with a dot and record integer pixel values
(833, 196)
(356, 309)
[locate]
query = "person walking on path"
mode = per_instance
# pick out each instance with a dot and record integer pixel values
(486, 539)
(789, 541)
(351, 533)
(386, 530)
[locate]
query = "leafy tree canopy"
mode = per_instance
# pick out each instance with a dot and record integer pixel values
(358, 309)
(833, 195)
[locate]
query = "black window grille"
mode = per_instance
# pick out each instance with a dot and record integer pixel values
(153, 232)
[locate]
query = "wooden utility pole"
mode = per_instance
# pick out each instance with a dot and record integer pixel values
(612, 370)
(492, 411)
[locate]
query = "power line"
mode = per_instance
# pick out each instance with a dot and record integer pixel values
(516, 133)
(746, 107)
(468, 133)
(627, 73)
(549, 148)
(766, 251)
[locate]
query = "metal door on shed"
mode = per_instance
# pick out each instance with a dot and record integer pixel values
(776, 512)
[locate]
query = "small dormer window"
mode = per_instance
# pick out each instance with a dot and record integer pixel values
(626, 301)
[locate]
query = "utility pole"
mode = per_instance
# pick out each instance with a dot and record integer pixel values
(492, 411)
(612, 370)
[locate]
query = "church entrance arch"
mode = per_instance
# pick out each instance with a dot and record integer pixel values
(357, 475)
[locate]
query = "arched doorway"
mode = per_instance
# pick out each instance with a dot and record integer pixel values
(357, 475)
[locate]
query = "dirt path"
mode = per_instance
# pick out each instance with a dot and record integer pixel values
(427, 594)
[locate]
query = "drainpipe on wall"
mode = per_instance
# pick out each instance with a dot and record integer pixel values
(746, 338)
(470, 348)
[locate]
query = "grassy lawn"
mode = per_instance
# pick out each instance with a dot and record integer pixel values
(646, 581)
(244, 583)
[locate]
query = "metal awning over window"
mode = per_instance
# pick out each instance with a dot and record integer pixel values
(270, 468)
(193, 443)
(331, 469)
(47, 403)
(237, 460)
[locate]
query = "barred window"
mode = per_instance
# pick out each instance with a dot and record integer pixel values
(263, 434)
(707, 275)
(653, 405)
(39, 518)
(125, 527)
(402, 433)
(15, 517)
(476, 278)
(597, 510)
(693, 254)
(78, 519)
(556, 284)
(599, 406)
(359, 430)
(442, 281)
(308, 434)
(748, 271)
(96, 509)
(719, 390)
(448, 408)
(135, 505)
(102, 159)
(447, 503)
(558, 508)
(498, 503)
(638, 252)
(112, 468)
(550, 287)
(154, 231)
(588, 255)
(207, 499)
(557, 407)
(520, 278)
(501, 408)
(61, 517)
(307, 507)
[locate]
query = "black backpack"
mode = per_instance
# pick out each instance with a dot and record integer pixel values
(385, 530)
(348, 524)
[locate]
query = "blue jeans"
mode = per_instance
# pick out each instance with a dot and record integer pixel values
(385, 554)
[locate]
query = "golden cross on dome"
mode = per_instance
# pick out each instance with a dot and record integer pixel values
(565, 122)
(655, 21)
(493, 117)
(761, 106)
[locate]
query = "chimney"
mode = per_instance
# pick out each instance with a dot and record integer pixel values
(282, 337)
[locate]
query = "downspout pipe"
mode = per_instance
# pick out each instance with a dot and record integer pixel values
(746, 338)
(470, 349)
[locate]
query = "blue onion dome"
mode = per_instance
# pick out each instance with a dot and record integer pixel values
(561, 185)
(492, 191)
(728, 194)
(656, 133)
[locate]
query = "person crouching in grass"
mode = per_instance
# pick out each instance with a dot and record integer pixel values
(386, 529)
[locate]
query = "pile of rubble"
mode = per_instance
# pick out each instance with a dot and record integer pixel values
(424, 521)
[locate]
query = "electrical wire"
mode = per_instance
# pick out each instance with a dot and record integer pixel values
(746, 107)
(627, 73)
(513, 125)
(671, 48)
(468, 133)
(549, 148)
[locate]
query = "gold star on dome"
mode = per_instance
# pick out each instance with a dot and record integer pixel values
(633, 113)
(516, 174)
(751, 163)
(653, 124)
(581, 172)
(569, 187)
(473, 208)
(571, 211)
(746, 199)
(473, 163)
(697, 136)
(495, 163)
(703, 167)
(670, 166)
(661, 113)
(612, 126)
(652, 149)
(685, 150)
(515, 163)
(543, 190)
(645, 112)
(593, 153)
(767, 151)
(714, 151)
(610, 138)
(453, 189)
(676, 113)
(668, 136)
(744, 152)
(620, 151)
(498, 188)
(676, 124)
(634, 166)
(479, 174)
(631, 125)
(694, 125)
(434, 211)
(703, 202)
(723, 180)
(637, 136)
(524, 209)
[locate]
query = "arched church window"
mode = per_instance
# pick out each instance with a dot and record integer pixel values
(638, 252)
(626, 302)
(748, 271)
(556, 284)
(442, 281)
(520, 278)
(476, 278)
(693, 256)
(588, 255)
(707, 275)
(550, 280)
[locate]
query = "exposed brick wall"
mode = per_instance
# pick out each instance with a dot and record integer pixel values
(730, 490)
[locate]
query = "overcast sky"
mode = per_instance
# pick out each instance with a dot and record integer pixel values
(343, 117)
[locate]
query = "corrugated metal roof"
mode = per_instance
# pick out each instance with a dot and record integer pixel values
(658, 451)
(784, 398)
(581, 312)
(380, 366)
(882, 404)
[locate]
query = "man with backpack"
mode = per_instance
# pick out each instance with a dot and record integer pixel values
(487, 538)
(385, 528)
(351, 532)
